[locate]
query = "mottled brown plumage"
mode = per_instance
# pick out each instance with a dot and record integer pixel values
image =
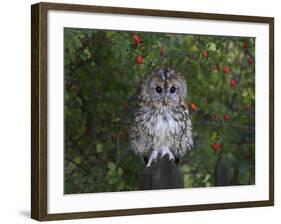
(161, 123)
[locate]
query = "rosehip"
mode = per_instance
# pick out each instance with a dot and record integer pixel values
(226, 69)
(137, 38)
(193, 106)
(250, 61)
(216, 147)
(233, 82)
(226, 117)
(162, 51)
(245, 45)
(205, 54)
(139, 59)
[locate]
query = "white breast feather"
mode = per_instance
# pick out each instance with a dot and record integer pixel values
(161, 127)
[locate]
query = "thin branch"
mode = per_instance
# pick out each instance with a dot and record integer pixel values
(250, 128)
(117, 148)
(76, 164)
(124, 155)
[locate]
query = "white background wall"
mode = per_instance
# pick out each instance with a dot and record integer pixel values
(15, 111)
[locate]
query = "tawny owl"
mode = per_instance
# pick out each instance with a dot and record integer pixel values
(161, 123)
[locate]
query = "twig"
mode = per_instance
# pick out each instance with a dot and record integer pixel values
(125, 154)
(76, 164)
(117, 148)
(250, 128)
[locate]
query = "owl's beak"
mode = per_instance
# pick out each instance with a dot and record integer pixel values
(165, 101)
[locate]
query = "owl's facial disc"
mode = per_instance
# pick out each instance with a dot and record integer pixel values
(166, 87)
(166, 94)
(172, 92)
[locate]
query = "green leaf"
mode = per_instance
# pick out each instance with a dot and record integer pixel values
(212, 46)
(99, 147)
(120, 171)
(111, 166)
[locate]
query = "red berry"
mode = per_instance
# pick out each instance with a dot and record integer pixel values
(245, 45)
(205, 54)
(139, 59)
(162, 51)
(226, 69)
(250, 61)
(233, 82)
(193, 106)
(216, 147)
(137, 38)
(226, 117)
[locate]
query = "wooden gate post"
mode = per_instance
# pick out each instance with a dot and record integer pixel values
(222, 172)
(163, 174)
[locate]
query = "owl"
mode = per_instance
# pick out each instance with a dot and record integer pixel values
(161, 124)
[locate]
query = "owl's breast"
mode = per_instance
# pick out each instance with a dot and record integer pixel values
(163, 127)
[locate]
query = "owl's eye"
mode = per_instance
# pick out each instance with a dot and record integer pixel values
(172, 89)
(158, 89)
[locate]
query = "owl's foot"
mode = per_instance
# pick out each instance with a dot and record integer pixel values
(153, 157)
(167, 151)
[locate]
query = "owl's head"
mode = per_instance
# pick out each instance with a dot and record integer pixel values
(165, 87)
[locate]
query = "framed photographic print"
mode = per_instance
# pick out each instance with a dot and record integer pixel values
(138, 111)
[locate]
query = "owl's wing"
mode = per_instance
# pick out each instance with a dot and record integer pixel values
(183, 140)
(140, 140)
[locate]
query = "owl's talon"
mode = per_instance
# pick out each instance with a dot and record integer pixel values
(171, 156)
(167, 151)
(153, 157)
(164, 152)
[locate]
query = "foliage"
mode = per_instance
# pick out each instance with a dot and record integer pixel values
(103, 70)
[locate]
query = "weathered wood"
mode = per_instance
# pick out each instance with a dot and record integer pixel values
(222, 172)
(163, 174)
